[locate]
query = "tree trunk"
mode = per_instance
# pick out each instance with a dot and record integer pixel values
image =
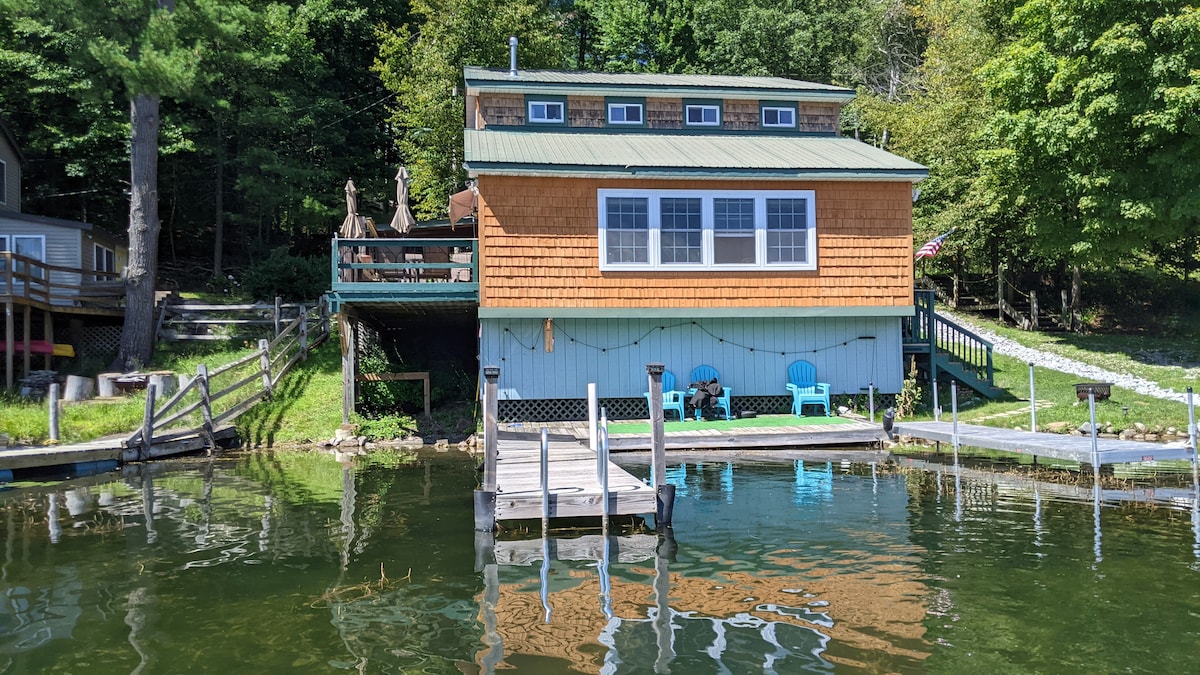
(219, 214)
(137, 335)
(1076, 299)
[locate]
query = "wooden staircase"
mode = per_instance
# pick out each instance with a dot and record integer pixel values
(943, 346)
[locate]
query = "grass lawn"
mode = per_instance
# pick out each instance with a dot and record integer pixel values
(724, 425)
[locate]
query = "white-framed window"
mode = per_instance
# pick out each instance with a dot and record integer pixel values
(625, 113)
(702, 115)
(546, 112)
(695, 230)
(28, 245)
(105, 261)
(777, 116)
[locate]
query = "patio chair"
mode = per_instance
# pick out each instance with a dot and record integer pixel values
(805, 390)
(672, 399)
(707, 374)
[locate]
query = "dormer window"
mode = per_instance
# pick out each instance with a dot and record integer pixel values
(546, 112)
(625, 113)
(702, 115)
(778, 117)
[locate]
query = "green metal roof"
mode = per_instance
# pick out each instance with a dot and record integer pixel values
(531, 153)
(654, 84)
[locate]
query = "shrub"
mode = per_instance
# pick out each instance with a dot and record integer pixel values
(287, 276)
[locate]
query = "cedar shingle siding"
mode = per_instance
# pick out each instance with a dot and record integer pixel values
(661, 113)
(540, 249)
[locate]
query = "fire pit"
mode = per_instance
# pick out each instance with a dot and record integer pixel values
(1101, 390)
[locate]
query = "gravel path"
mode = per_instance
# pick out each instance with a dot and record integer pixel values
(1003, 345)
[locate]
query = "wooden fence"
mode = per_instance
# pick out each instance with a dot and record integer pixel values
(213, 399)
(178, 322)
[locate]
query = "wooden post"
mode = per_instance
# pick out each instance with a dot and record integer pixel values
(53, 401)
(147, 424)
(658, 474)
(349, 370)
(303, 333)
(665, 494)
(485, 497)
(264, 360)
(27, 330)
(9, 338)
(491, 391)
(1033, 308)
(48, 336)
(1065, 319)
(278, 314)
(1000, 293)
(205, 406)
(1076, 298)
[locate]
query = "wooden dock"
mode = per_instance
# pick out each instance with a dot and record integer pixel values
(1041, 444)
(573, 482)
(109, 451)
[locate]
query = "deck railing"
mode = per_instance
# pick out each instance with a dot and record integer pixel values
(406, 268)
(31, 281)
(946, 339)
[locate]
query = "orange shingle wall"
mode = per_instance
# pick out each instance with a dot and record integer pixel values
(539, 248)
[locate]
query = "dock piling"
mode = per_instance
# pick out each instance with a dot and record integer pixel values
(52, 399)
(545, 481)
(658, 447)
(592, 404)
(871, 400)
(1032, 401)
(1095, 444)
(602, 473)
(485, 498)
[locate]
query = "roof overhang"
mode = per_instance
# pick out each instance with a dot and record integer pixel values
(690, 312)
(648, 91)
(511, 152)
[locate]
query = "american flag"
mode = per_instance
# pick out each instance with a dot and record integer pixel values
(932, 246)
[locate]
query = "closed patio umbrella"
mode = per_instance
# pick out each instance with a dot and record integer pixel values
(352, 228)
(403, 221)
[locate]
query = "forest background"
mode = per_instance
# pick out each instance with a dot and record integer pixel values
(1062, 136)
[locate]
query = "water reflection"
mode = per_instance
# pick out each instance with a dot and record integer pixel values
(718, 595)
(312, 563)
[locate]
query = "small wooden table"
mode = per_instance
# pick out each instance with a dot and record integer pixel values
(423, 376)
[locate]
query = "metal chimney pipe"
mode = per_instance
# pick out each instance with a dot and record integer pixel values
(512, 56)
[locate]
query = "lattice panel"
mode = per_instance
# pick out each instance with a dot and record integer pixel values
(98, 341)
(575, 409)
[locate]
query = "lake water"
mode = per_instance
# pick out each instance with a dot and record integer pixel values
(294, 562)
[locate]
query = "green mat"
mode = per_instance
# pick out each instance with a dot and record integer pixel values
(719, 425)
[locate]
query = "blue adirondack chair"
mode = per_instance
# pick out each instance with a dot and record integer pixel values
(672, 398)
(705, 374)
(803, 385)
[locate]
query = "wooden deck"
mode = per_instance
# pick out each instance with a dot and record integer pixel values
(858, 433)
(574, 484)
(1040, 444)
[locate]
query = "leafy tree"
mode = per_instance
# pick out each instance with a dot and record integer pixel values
(422, 64)
(1095, 122)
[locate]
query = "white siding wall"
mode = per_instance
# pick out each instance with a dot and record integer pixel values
(11, 189)
(614, 352)
(62, 244)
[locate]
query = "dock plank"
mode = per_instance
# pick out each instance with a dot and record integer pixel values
(573, 483)
(1042, 444)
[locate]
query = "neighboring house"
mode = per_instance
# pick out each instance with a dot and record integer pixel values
(683, 219)
(11, 162)
(68, 271)
(54, 241)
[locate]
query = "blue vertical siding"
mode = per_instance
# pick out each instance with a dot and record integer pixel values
(752, 354)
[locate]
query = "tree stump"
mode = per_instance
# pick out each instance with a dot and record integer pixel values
(79, 388)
